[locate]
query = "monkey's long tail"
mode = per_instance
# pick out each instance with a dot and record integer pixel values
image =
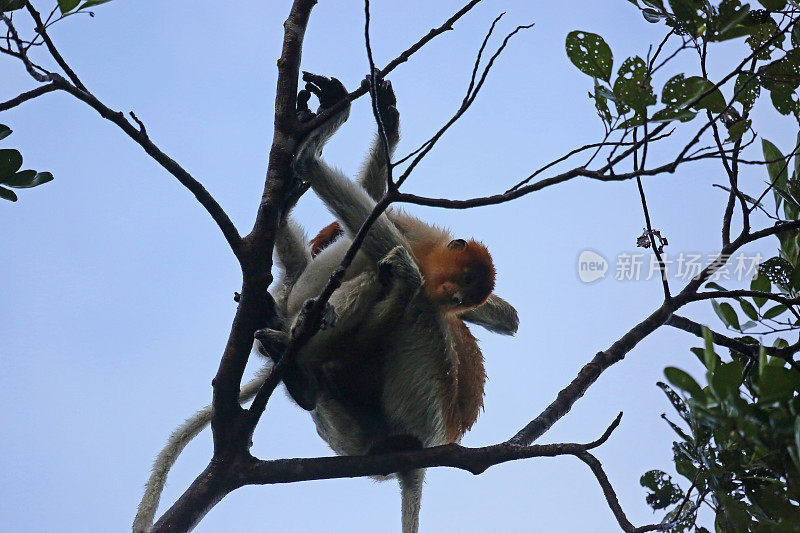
(178, 440)
(411, 494)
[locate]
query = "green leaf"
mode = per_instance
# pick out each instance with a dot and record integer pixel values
(5, 131)
(794, 281)
(773, 5)
(726, 379)
(784, 102)
(776, 383)
(730, 21)
(655, 4)
(8, 194)
(776, 167)
(668, 114)
(682, 380)
(708, 352)
(747, 89)
(92, 3)
(761, 33)
(590, 53)
(68, 5)
(633, 85)
(796, 34)
(726, 313)
(601, 101)
(775, 311)
(10, 161)
(797, 433)
(11, 5)
(679, 92)
(652, 15)
(760, 283)
(738, 128)
(748, 309)
(28, 178)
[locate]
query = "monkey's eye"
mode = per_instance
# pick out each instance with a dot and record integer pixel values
(469, 278)
(457, 244)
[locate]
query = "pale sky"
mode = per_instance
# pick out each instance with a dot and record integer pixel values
(117, 288)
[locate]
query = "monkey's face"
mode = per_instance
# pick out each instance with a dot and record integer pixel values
(459, 276)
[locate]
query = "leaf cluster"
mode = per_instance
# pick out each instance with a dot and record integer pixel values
(10, 173)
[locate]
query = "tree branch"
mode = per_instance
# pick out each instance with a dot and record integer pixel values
(29, 95)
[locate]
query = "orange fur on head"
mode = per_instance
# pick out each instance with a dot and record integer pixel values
(458, 275)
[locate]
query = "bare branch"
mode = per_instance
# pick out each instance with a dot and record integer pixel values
(40, 29)
(751, 350)
(29, 95)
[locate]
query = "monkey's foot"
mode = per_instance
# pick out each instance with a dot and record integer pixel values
(387, 103)
(398, 264)
(329, 91)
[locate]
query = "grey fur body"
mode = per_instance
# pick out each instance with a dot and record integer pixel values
(367, 306)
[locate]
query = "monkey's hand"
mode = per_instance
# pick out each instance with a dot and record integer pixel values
(399, 269)
(329, 316)
(329, 92)
(301, 385)
(387, 105)
(272, 343)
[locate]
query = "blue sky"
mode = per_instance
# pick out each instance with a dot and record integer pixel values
(116, 291)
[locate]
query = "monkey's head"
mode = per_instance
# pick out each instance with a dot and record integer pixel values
(459, 275)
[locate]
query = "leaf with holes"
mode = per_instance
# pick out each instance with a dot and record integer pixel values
(680, 91)
(633, 87)
(747, 89)
(773, 5)
(590, 53)
(738, 128)
(730, 21)
(761, 34)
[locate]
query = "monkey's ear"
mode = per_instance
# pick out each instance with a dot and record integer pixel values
(457, 244)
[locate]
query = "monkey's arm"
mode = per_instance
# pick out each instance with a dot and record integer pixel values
(293, 257)
(495, 314)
